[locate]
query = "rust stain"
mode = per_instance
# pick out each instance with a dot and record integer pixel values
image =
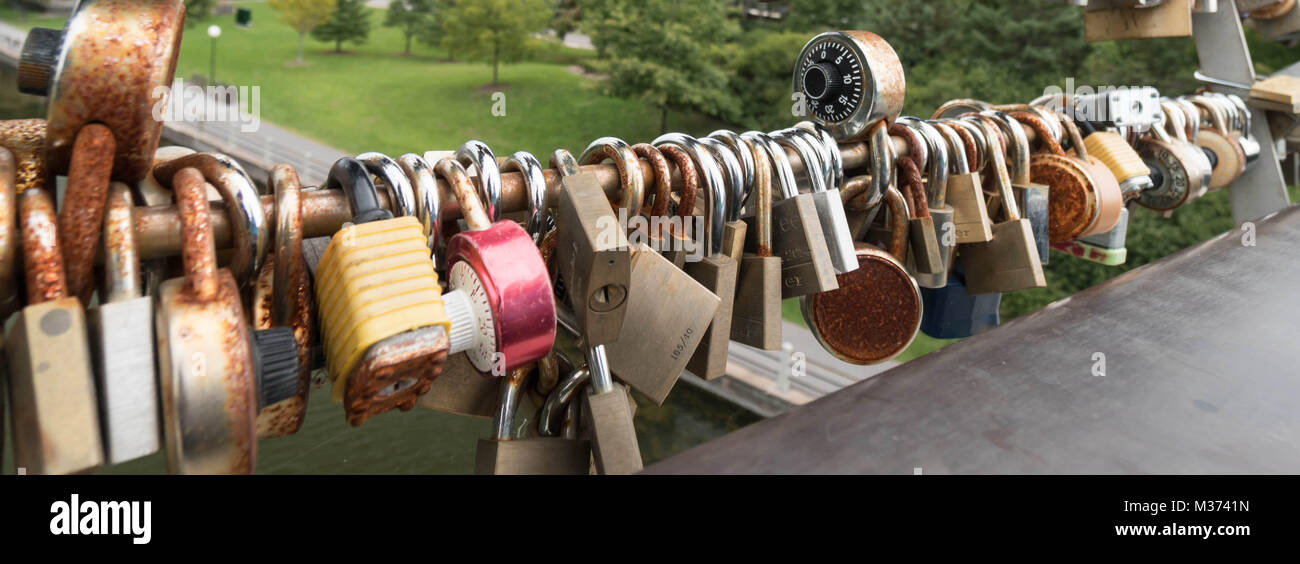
(42, 260)
(412, 359)
(25, 138)
(662, 177)
(690, 183)
(197, 252)
(82, 216)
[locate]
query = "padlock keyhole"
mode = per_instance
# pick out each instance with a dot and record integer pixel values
(607, 298)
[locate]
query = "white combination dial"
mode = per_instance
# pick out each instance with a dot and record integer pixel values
(475, 335)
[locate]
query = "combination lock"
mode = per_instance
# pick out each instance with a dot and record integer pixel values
(849, 80)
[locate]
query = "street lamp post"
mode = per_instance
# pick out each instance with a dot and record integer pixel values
(214, 31)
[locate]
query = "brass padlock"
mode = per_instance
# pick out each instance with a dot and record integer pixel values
(595, 264)
(970, 214)
(508, 454)
(607, 413)
(830, 208)
(733, 231)
(651, 354)
(756, 315)
(283, 297)
(1033, 198)
(1009, 262)
(876, 311)
(51, 382)
(797, 236)
(1137, 19)
(938, 168)
(122, 341)
(715, 271)
(924, 240)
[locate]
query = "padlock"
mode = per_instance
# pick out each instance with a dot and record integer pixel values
(797, 237)
(384, 325)
(1122, 160)
(500, 295)
(734, 173)
(876, 312)
(952, 312)
(283, 298)
(428, 204)
(1241, 124)
(1107, 20)
(506, 453)
(1009, 262)
(122, 341)
(1102, 248)
(1229, 158)
(1073, 201)
(243, 206)
(650, 354)
(715, 270)
(938, 168)
(558, 416)
(922, 237)
(849, 81)
(682, 238)
(1280, 22)
(830, 209)
(756, 314)
(1033, 198)
(608, 415)
(970, 214)
(56, 426)
(1180, 171)
(594, 260)
(214, 372)
(829, 149)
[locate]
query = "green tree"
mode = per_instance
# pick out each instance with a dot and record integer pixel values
(350, 23)
(493, 30)
(197, 10)
(413, 16)
(566, 15)
(303, 15)
(665, 53)
(822, 15)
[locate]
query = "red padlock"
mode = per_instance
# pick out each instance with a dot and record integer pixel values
(496, 271)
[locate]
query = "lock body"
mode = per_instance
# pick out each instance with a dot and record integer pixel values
(461, 390)
(52, 391)
(613, 436)
(798, 241)
(717, 273)
(970, 215)
(593, 258)
(123, 347)
(673, 312)
(555, 456)
(756, 314)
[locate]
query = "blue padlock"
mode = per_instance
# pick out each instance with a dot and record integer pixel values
(952, 313)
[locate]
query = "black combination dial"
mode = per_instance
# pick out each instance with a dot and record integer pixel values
(830, 77)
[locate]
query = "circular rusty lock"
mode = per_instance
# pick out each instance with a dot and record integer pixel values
(1110, 197)
(205, 362)
(1072, 199)
(850, 80)
(1230, 158)
(108, 65)
(876, 312)
(283, 297)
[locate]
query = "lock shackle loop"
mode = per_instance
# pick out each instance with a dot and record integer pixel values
(252, 237)
(1042, 113)
(1191, 115)
(198, 251)
(882, 161)
(937, 166)
(898, 215)
(960, 106)
(780, 163)
(690, 185)
(42, 257)
(830, 149)
(1018, 145)
(812, 161)
(1169, 117)
(428, 202)
(471, 208)
(762, 200)
(539, 216)
(737, 191)
(1039, 127)
(1231, 117)
(743, 151)
(477, 154)
(9, 301)
(400, 192)
(550, 417)
(563, 161)
(1075, 137)
(715, 196)
(632, 186)
(350, 176)
(1243, 111)
(1215, 112)
(955, 148)
(121, 259)
(977, 156)
(910, 179)
(663, 186)
(287, 190)
(1002, 177)
(508, 394)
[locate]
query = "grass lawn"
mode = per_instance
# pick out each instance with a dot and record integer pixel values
(372, 98)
